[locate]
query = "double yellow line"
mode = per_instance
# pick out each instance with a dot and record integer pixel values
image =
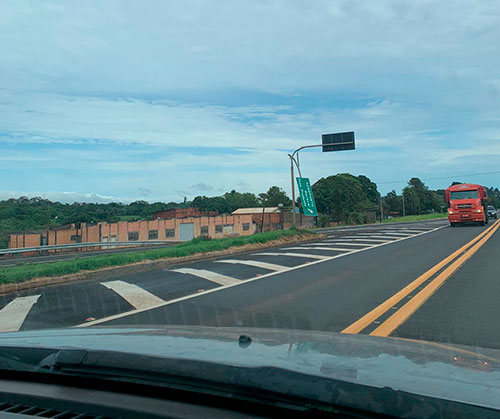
(455, 260)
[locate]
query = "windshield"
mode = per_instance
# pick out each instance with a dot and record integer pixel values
(464, 195)
(274, 165)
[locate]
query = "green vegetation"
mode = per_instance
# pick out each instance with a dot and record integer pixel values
(346, 198)
(416, 217)
(24, 214)
(25, 272)
(342, 198)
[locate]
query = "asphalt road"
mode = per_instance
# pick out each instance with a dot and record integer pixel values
(389, 280)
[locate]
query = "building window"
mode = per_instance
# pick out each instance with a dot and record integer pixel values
(133, 236)
(218, 229)
(246, 226)
(76, 238)
(204, 230)
(152, 234)
(170, 232)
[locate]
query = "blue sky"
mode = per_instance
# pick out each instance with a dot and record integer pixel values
(158, 100)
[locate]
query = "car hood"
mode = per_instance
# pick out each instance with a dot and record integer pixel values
(429, 369)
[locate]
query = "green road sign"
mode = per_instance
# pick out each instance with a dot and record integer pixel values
(306, 196)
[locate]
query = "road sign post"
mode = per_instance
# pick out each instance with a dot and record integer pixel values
(330, 142)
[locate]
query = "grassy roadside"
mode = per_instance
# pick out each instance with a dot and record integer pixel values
(416, 218)
(25, 272)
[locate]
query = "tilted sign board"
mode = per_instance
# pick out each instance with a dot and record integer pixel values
(338, 142)
(306, 197)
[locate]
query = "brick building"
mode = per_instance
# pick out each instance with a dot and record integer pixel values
(174, 229)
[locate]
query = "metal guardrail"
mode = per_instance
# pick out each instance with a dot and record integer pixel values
(80, 245)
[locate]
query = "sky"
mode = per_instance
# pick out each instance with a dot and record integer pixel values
(112, 100)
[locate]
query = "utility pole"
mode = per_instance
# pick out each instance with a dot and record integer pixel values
(48, 221)
(262, 221)
(403, 195)
(293, 192)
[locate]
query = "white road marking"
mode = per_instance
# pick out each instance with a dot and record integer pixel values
(299, 255)
(200, 294)
(256, 263)
(406, 231)
(371, 236)
(402, 234)
(351, 244)
(412, 229)
(373, 240)
(133, 294)
(336, 249)
(12, 316)
(209, 276)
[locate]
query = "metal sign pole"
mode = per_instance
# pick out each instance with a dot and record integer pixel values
(330, 142)
(293, 191)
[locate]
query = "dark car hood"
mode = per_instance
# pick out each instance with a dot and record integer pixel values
(429, 369)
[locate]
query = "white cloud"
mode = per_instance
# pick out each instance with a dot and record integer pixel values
(114, 96)
(64, 197)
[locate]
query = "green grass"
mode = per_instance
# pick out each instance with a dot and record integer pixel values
(417, 217)
(21, 273)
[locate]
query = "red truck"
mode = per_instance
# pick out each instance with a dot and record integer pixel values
(467, 203)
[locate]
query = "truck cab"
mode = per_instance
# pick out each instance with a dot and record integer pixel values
(467, 203)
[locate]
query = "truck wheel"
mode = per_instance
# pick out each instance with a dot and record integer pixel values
(481, 223)
(453, 224)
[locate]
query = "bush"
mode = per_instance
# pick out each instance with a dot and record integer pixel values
(323, 221)
(355, 218)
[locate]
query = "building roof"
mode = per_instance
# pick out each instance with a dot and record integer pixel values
(256, 210)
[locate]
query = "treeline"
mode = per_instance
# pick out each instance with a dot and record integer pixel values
(24, 214)
(339, 198)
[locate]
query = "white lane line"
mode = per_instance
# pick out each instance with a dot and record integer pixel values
(377, 237)
(335, 249)
(402, 234)
(412, 229)
(372, 240)
(299, 255)
(12, 316)
(200, 294)
(405, 231)
(256, 263)
(133, 294)
(377, 234)
(351, 244)
(209, 276)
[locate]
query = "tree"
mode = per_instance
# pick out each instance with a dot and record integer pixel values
(342, 194)
(393, 202)
(273, 197)
(215, 203)
(422, 200)
(241, 200)
(494, 197)
(370, 189)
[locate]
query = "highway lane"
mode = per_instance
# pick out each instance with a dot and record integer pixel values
(333, 294)
(327, 285)
(73, 303)
(13, 260)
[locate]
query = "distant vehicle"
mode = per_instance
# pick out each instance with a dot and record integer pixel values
(492, 211)
(467, 203)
